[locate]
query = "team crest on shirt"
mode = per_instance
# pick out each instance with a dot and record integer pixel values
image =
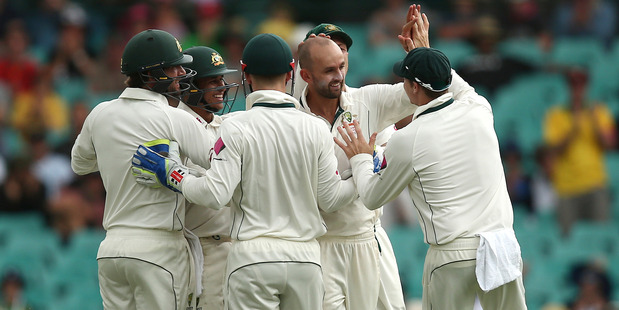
(216, 59)
(347, 116)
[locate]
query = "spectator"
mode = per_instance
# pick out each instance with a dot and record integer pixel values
(594, 288)
(12, 291)
(579, 135)
(487, 68)
(49, 167)
(209, 25)
(42, 110)
(517, 179)
(587, 18)
(386, 22)
(460, 23)
(22, 192)
(543, 195)
(71, 57)
(524, 18)
(17, 69)
(166, 17)
(69, 212)
(280, 21)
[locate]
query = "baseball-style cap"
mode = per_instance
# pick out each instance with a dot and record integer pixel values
(427, 66)
(333, 31)
(267, 54)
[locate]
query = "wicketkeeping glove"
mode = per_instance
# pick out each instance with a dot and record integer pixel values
(153, 169)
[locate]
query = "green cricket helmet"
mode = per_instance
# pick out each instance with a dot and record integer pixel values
(267, 55)
(151, 51)
(207, 62)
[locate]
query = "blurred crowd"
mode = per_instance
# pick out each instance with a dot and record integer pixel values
(59, 58)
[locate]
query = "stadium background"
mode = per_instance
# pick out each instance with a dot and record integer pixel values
(59, 58)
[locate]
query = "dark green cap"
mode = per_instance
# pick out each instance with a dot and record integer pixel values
(427, 66)
(207, 62)
(267, 54)
(152, 49)
(333, 31)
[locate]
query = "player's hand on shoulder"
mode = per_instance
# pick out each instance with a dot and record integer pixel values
(157, 163)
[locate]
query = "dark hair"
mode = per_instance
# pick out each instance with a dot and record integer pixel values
(134, 80)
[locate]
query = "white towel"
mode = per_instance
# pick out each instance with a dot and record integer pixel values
(197, 260)
(498, 259)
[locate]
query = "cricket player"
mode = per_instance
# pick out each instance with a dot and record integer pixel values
(350, 251)
(448, 158)
(390, 295)
(144, 260)
(276, 166)
(208, 96)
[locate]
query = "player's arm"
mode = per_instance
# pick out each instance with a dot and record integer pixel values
(333, 192)
(463, 91)
(83, 156)
(215, 189)
(375, 189)
(193, 140)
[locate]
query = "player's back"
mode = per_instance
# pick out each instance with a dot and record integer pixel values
(112, 132)
(277, 196)
(287, 168)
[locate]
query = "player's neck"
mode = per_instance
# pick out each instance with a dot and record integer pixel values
(206, 115)
(321, 106)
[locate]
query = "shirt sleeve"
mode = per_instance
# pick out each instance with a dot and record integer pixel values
(463, 91)
(376, 189)
(390, 102)
(215, 189)
(333, 192)
(193, 140)
(83, 156)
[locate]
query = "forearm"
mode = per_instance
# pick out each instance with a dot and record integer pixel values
(342, 194)
(197, 190)
(363, 174)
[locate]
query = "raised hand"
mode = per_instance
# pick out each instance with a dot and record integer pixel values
(415, 30)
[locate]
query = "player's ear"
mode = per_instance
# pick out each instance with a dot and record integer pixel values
(289, 76)
(248, 78)
(305, 75)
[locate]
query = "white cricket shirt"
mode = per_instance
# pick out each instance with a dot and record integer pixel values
(275, 165)
(448, 158)
(203, 221)
(110, 136)
(375, 107)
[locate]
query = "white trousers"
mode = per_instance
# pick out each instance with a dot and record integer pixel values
(449, 281)
(276, 285)
(215, 256)
(351, 272)
(390, 295)
(144, 269)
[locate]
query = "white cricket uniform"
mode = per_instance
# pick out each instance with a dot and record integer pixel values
(448, 158)
(275, 164)
(390, 294)
(349, 249)
(212, 228)
(144, 261)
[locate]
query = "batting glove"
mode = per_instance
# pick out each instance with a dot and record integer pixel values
(154, 170)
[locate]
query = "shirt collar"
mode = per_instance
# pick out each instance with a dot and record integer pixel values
(433, 105)
(216, 118)
(270, 97)
(143, 94)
